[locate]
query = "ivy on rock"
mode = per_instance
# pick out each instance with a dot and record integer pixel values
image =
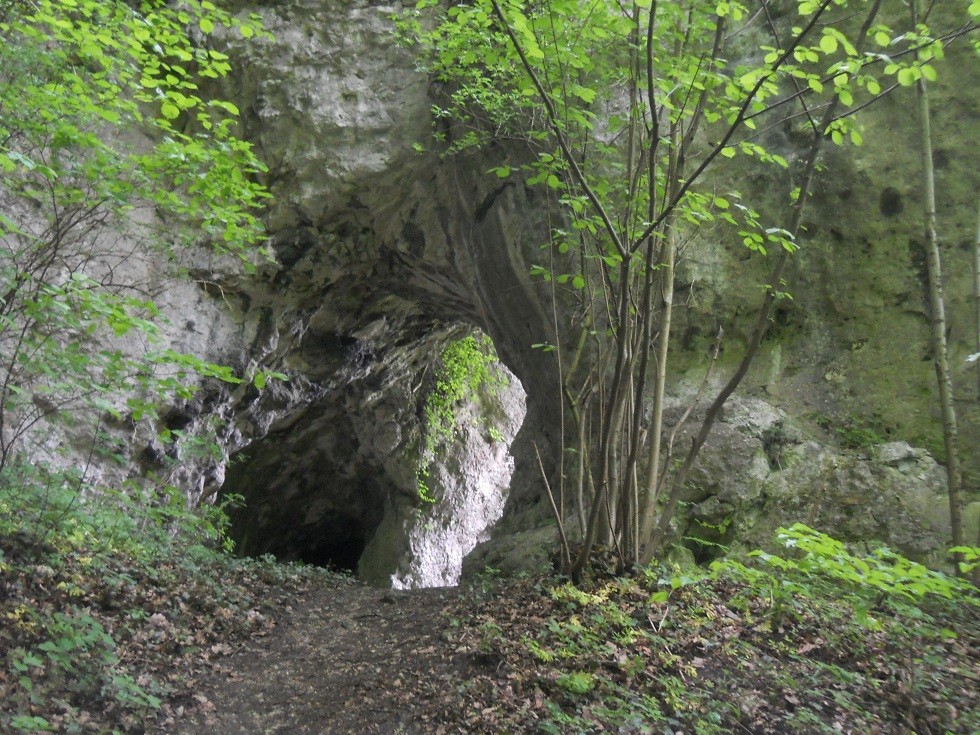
(466, 368)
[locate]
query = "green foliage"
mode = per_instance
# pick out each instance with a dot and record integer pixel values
(880, 574)
(109, 152)
(465, 368)
(618, 112)
(851, 431)
(79, 74)
(106, 602)
(822, 566)
(970, 556)
(582, 56)
(141, 520)
(67, 650)
(116, 170)
(858, 437)
(809, 643)
(76, 653)
(577, 682)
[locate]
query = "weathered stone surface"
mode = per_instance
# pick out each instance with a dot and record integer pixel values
(381, 257)
(894, 496)
(860, 499)
(528, 551)
(423, 545)
(759, 470)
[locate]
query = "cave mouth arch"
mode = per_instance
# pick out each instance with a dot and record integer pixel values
(335, 481)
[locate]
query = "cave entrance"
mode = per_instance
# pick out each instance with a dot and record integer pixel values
(335, 541)
(307, 495)
(339, 554)
(336, 483)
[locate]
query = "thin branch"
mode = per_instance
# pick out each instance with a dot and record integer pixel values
(555, 125)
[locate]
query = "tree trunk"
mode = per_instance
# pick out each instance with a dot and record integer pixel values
(976, 347)
(939, 347)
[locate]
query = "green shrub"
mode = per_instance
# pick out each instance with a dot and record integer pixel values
(880, 573)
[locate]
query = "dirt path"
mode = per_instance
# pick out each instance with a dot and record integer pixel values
(347, 659)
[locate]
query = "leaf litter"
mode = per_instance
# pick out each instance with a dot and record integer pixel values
(228, 647)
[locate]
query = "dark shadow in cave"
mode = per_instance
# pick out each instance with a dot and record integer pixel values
(297, 506)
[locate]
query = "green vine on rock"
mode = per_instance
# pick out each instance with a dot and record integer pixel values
(465, 367)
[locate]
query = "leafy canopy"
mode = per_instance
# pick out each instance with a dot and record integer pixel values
(117, 170)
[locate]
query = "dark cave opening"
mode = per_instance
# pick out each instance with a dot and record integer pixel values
(340, 555)
(298, 505)
(335, 542)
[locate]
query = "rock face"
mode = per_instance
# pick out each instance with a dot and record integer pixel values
(381, 255)
(898, 502)
(337, 483)
(758, 471)
(469, 478)
(384, 256)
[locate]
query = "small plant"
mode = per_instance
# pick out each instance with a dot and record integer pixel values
(796, 645)
(970, 558)
(577, 682)
(858, 437)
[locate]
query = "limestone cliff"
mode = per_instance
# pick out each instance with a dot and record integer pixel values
(383, 256)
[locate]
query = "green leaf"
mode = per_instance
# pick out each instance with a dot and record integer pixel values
(584, 93)
(928, 72)
(169, 110)
(828, 44)
(578, 282)
(206, 25)
(908, 76)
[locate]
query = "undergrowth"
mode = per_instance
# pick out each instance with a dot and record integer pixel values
(112, 606)
(815, 641)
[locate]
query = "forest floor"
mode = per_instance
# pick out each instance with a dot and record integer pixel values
(201, 644)
(345, 658)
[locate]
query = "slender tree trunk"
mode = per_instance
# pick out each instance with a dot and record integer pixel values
(650, 486)
(976, 306)
(976, 346)
(939, 347)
